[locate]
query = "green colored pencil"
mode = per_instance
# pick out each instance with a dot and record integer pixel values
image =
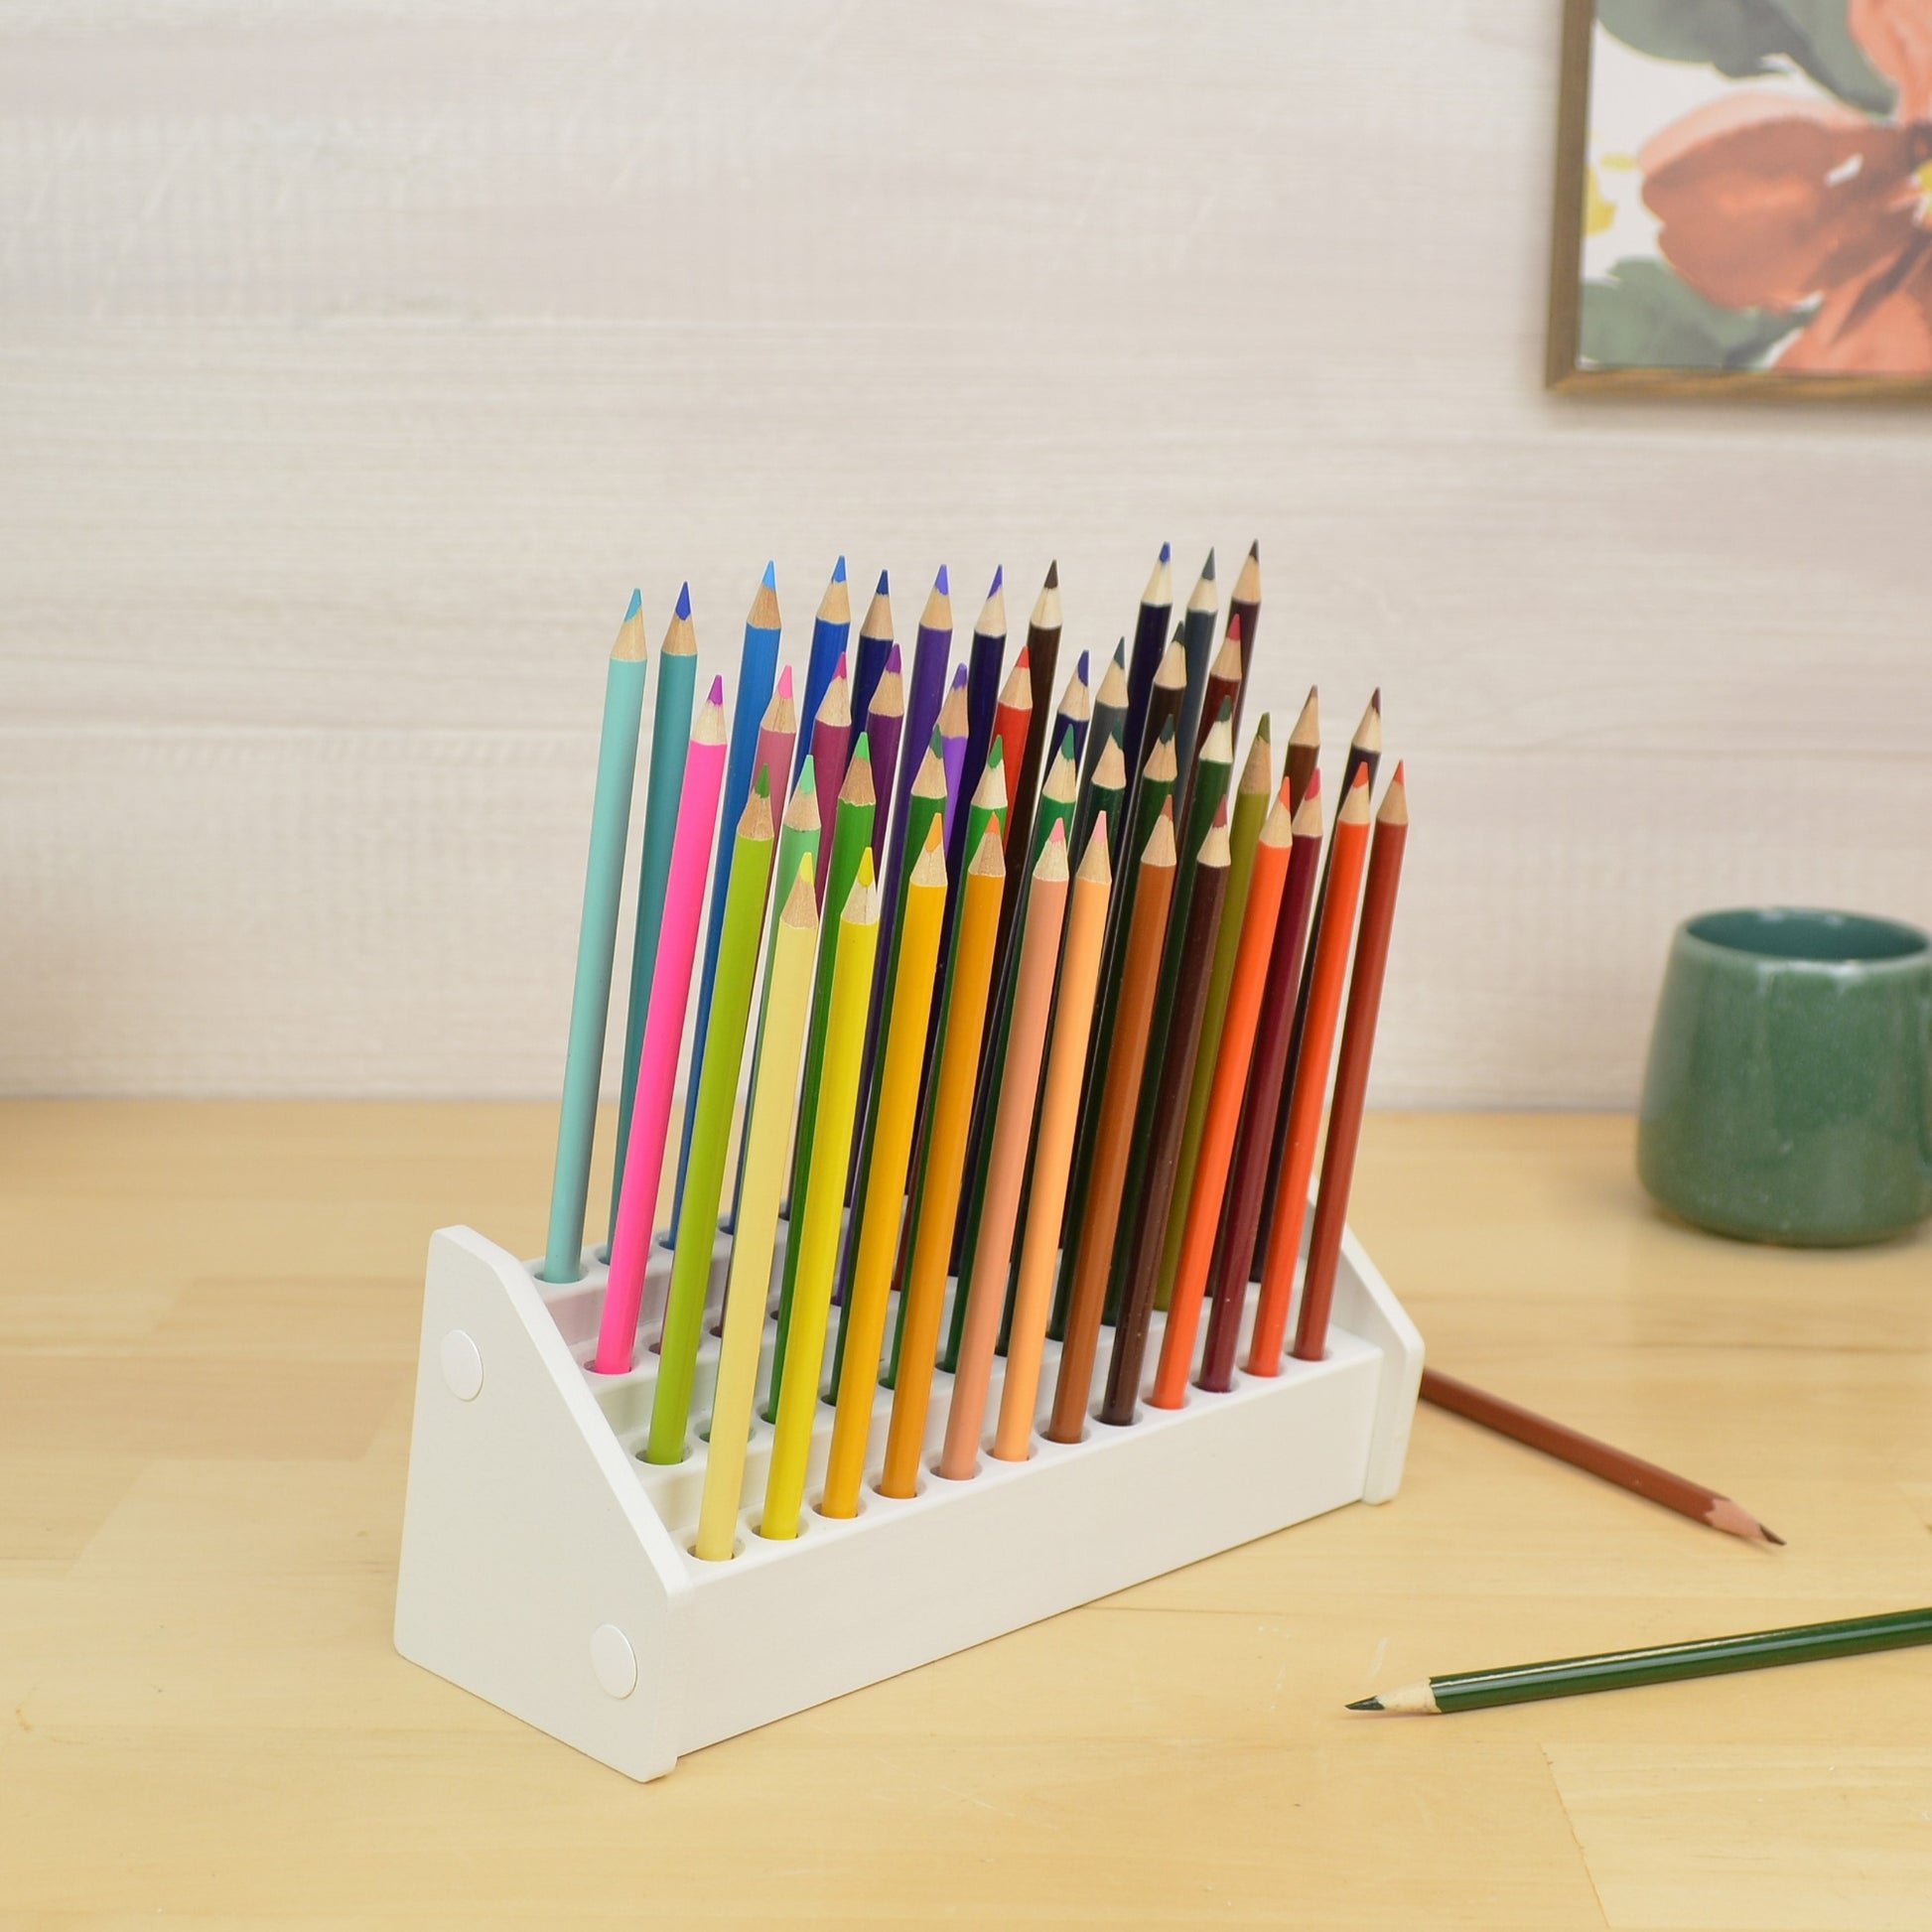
(1056, 802)
(597, 938)
(798, 839)
(670, 739)
(1206, 796)
(1253, 797)
(730, 1011)
(1151, 796)
(851, 841)
(1664, 1663)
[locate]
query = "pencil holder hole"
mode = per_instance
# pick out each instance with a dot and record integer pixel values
(684, 1455)
(736, 1550)
(876, 1476)
(805, 1517)
(939, 1476)
(818, 1509)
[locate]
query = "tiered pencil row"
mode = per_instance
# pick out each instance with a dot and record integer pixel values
(1046, 1001)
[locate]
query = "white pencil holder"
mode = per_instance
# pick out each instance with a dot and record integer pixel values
(548, 1568)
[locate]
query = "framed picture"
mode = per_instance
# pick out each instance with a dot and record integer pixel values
(1744, 197)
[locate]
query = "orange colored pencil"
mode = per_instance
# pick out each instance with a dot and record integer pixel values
(1059, 1113)
(1127, 1054)
(1223, 1116)
(986, 1295)
(1351, 1070)
(1345, 859)
(945, 1164)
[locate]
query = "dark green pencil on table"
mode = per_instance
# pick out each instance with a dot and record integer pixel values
(1664, 1663)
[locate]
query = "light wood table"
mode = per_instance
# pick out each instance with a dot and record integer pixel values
(206, 1323)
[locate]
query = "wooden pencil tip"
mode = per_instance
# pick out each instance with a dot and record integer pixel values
(801, 902)
(1016, 693)
(930, 869)
(1354, 808)
(1162, 765)
(1051, 867)
(930, 779)
(683, 606)
(887, 697)
(1308, 815)
(1159, 594)
(1259, 771)
(1215, 849)
(802, 814)
(1307, 726)
(1110, 768)
(1366, 1704)
(1159, 848)
(1395, 802)
(878, 614)
(857, 790)
(1254, 550)
(1227, 660)
(1113, 686)
(756, 821)
(953, 718)
(1218, 748)
(1064, 781)
(990, 860)
(1173, 672)
(1203, 597)
(1368, 734)
(989, 794)
(834, 607)
(1277, 828)
(835, 708)
(629, 646)
(1247, 586)
(993, 612)
(1095, 863)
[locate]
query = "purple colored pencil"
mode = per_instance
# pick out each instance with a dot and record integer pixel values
(954, 735)
(831, 748)
(885, 723)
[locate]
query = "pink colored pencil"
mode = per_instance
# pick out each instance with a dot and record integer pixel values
(831, 748)
(777, 740)
(670, 991)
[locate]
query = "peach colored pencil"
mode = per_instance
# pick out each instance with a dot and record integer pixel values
(670, 991)
(1040, 951)
(1059, 1113)
(1224, 1098)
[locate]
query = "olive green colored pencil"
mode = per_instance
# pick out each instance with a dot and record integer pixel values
(1253, 797)
(1207, 798)
(851, 841)
(1664, 1663)
(1056, 801)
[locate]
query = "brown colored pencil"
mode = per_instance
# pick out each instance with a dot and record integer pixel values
(1595, 1457)
(1351, 1069)
(1223, 685)
(1303, 750)
(1245, 604)
(1042, 656)
(1172, 1078)
(1167, 697)
(1255, 1135)
(1126, 1053)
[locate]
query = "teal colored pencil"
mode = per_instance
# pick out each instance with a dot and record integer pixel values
(597, 938)
(670, 739)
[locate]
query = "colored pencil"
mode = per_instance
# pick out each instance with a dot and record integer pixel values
(756, 673)
(954, 730)
(1303, 750)
(768, 1134)
(1125, 1053)
(1223, 685)
(1197, 642)
(798, 840)
(1070, 727)
(966, 998)
(851, 851)
(1201, 1187)
(1150, 640)
(1205, 802)
(1664, 1663)
(1301, 1125)
(670, 990)
(597, 938)
(1053, 1147)
(1167, 1081)
(884, 725)
(1251, 798)
(831, 748)
(817, 1236)
(1108, 719)
(1152, 795)
(1055, 809)
(1103, 792)
(697, 1238)
(875, 650)
(1244, 604)
(1164, 700)
(670, 733)
(984, 1296)
(1254, 1134)
(1013, 723)
(1598, 1459)
(1364, 754)
(984, 658)
(1024, 762)
(925, 692)
(831, 627)
(862, 1324)
(1357, 1048)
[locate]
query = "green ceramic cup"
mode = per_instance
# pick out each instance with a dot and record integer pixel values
(1789, 1092)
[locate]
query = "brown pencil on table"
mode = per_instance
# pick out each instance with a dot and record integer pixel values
(1092, 1252)
(1173, 1080)
(1351, 1069)
(1303, 750)
(1599, 1459)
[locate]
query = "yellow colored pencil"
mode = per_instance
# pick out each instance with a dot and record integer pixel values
(945, 1163)
(817, 1230)
(882, 1200)
(774, 1099)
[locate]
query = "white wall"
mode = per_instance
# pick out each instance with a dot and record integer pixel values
(355, 359)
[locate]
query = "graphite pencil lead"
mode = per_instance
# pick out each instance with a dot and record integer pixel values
(1366, 1704)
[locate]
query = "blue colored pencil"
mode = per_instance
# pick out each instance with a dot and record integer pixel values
(830, 630)
(869, 666)
(983, 675)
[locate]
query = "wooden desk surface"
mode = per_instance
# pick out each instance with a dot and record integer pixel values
(207, 1324)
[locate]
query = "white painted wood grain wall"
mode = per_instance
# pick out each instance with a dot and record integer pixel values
(357, 358)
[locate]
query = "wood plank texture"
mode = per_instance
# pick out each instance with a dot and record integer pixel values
(356, 358)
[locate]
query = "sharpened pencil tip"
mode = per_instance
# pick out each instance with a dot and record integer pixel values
(1081, 664)
(885, 587)
(942, 584)
(999, 579)
(1254, 550)
(684, 600)
(635, 605)
(838, 571)
(1207, 569)
(770, 578)
(717, 690)
(784, 683)
(1770, 1535)
(1366, 1704)
(959, 677)
(1053, 575)
(893, 662)
(1166, 553)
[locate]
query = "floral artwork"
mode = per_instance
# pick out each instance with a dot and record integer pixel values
(1753, 194)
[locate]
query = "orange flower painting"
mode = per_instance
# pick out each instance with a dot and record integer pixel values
(1756, 190)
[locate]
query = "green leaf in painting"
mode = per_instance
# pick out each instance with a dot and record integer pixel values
(1743, 38)
(1645, 318)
